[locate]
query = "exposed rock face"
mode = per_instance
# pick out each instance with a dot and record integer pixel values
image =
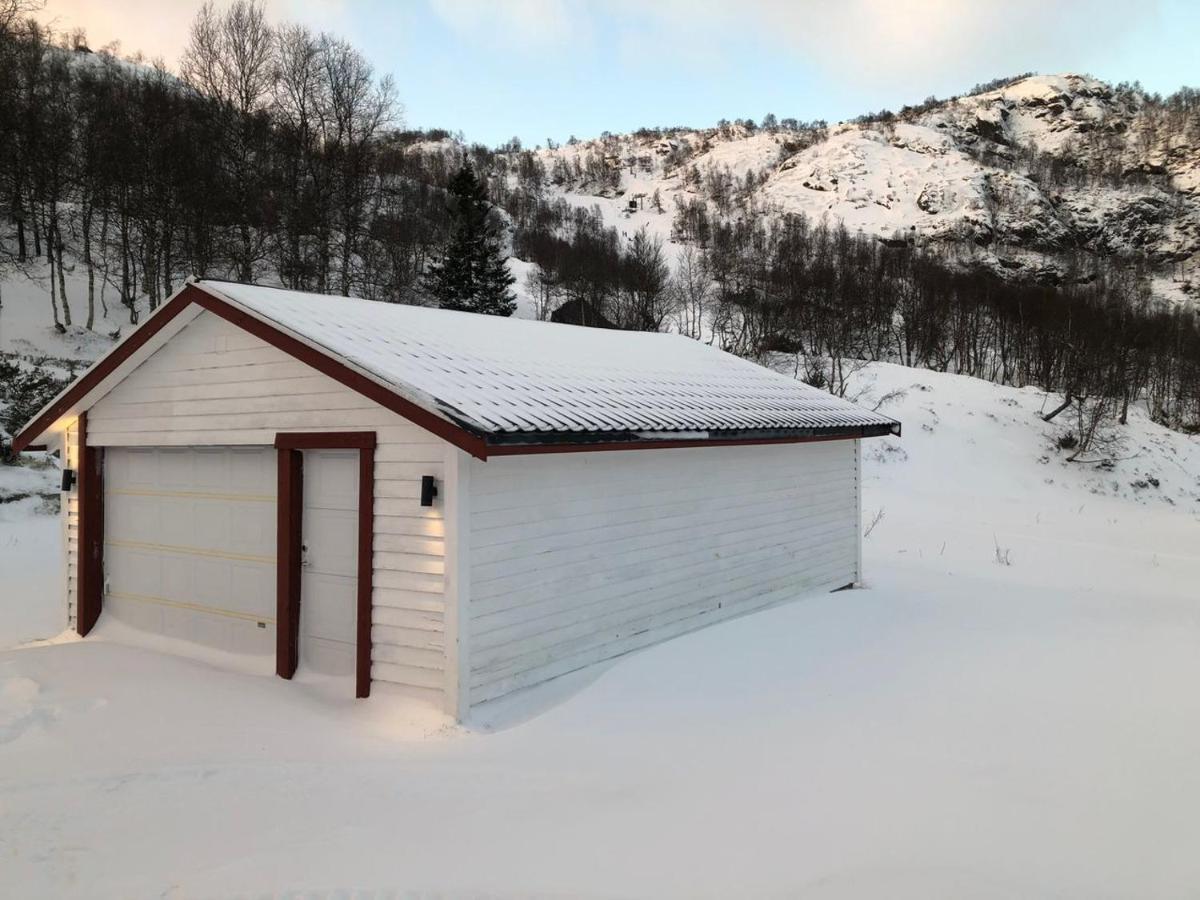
(988, 169)
(1053, 166)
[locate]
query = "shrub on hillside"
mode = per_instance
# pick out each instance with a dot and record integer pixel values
(22, 393)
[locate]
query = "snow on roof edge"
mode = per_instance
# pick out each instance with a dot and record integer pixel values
(413, 395)
(464, 369)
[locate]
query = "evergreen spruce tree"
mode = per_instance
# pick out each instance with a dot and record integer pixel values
(471, 275)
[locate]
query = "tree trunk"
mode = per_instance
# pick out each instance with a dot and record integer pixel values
(126, 279)
(91, 268)
(167, 281)
(19, 211)
(62, 279)
(104, 256)
(54, 293)
(1049, 417)
(37, 236)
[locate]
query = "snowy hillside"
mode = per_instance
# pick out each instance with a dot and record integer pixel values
(1029, 178)
(1006, 711)
(1019, 176)
(26, 323)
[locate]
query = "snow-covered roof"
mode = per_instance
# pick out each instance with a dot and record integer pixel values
(510, 380)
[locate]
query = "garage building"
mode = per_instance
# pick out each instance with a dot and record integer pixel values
(455, 506)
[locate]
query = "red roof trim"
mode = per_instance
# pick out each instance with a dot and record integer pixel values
(325, 440)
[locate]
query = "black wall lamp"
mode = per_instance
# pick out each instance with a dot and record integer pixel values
(428, 490)
(68, 479)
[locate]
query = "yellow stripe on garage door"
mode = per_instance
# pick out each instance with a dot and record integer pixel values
(190, 551)
(193, 495)
(195, 607)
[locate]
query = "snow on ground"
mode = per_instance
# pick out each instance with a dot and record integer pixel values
(31, 580)
(40, 475)
(527, 301)
(961, 728)
(27, 321)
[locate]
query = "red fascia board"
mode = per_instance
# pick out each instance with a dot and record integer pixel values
(325, 440)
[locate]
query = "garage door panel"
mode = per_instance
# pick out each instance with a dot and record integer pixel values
(129, 568)
(179, 526)
(254, 532)
(139, 515)
(212, 584)
(190, 544)
(176, 468)
(131, 469)
(177, 577)
(251, 471)
(211, 522)
(254, 590)
(211, 470)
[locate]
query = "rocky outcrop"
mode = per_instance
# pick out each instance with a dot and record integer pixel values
(1031, 175)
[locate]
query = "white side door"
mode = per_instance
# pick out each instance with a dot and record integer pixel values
(329, 562)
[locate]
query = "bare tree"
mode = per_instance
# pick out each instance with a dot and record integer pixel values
(229, 56)
(358, 108)
(12, 12)
(693, 292)
(299, 105)
(645, 300)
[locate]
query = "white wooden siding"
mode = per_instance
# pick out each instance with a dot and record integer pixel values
(214, 384)
(70, 519)
(579, 557)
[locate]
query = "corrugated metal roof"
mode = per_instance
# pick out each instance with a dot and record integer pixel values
(513, 377)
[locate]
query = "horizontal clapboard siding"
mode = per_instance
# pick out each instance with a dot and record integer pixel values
(214, 384)
(70, 519)
(576, 558)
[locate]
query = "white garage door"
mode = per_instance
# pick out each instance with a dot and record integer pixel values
(189, 545)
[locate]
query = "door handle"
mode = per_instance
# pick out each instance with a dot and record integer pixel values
(304, 555)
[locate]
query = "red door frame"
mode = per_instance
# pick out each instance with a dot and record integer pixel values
(289, 537)
(89, 571)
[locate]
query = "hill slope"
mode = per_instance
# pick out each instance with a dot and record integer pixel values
(1024, 176)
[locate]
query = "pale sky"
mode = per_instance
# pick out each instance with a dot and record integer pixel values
(552, 68)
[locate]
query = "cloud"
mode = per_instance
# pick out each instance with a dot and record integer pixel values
(521, 23)
(909, 44)
(890, 42)
(159, 28)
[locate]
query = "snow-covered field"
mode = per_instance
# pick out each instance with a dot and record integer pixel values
(961, 728)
